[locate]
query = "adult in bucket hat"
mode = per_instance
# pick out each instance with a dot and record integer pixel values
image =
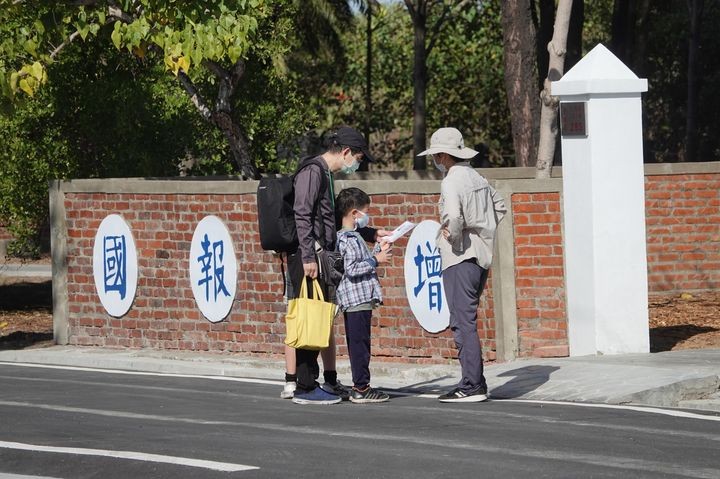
(470, 210)
(450, 141)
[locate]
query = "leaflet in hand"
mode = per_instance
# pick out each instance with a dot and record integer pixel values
(400, 231)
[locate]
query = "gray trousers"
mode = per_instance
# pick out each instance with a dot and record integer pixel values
(464, 283)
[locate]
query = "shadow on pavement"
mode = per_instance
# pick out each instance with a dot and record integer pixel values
(22, 340)
(524, 380)
(425, 387)
(26, 295)
(665, 338)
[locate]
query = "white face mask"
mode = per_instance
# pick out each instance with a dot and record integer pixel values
(363, 221)
(439, 166)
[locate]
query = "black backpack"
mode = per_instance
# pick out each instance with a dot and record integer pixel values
(275, 210)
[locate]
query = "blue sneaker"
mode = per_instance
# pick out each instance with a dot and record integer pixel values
(316, 396)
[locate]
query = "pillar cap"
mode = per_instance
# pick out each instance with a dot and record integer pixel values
(598, 72)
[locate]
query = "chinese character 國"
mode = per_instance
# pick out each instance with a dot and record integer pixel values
(114, 264)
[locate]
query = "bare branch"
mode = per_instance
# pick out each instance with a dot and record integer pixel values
(434, 31)
(411, 9)
(433, 35)
(237, 73)
(67, 42)
(217, 70)
(113, 10)
(195, 97)
(228, 82)
(120, 15)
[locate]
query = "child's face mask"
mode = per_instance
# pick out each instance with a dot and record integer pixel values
(362, 221)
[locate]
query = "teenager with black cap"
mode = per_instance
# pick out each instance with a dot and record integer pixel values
(316, 228)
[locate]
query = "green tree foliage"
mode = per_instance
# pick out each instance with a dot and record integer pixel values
(33, 151)
(658, 51)
(77, 106)
(465, 83)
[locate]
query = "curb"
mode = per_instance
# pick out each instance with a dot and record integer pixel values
(670, 395)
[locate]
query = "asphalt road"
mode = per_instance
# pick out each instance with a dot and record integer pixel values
(62, 423)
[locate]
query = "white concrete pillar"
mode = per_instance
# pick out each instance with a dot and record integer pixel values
(604, 206)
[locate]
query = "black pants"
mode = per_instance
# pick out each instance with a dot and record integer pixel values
(307, 360)
(357, 332)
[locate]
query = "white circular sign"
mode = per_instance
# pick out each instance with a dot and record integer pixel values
(115, 265)
(213, 268)
(423, 278)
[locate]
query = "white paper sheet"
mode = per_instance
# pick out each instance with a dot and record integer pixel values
(400, 231)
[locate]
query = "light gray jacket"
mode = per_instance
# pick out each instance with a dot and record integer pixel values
(470, 209)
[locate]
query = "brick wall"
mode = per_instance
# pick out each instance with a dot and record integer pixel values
(4, 233)
(164, 314)
(683, 230)
(539, 277)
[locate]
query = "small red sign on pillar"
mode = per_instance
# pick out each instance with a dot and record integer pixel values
(573, 121)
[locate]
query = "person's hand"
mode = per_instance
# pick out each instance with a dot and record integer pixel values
(445, 232)
(380, 234)
(311, 270)
(385, 253)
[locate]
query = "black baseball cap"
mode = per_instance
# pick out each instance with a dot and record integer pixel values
(349, 136)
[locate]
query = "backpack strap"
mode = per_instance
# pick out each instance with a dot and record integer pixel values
(325, 188)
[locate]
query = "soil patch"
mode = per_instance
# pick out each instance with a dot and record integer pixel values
(685, 321)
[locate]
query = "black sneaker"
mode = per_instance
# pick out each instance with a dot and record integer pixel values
(369, 395)
(456, 395)
(338, 389)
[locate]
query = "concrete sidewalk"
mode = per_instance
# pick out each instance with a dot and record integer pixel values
(687, 379)
(15, 270)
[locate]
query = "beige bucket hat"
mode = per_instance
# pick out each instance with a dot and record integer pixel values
(450, 141)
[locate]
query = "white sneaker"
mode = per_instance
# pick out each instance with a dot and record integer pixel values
(288, 390)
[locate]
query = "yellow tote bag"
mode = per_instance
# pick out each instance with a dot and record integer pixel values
(308, 322)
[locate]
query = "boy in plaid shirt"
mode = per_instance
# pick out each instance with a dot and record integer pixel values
(359, 290)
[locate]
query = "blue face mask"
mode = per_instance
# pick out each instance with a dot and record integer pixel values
(439, 166)
(352, 168)
(363, 221)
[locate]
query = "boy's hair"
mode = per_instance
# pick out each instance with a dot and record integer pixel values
(348, 200)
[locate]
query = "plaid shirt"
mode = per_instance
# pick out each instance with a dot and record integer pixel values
(360, 282)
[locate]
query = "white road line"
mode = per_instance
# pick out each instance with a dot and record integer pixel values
(624, 463)
(134, 456)
(605, 461)
(16, 476)
(398, 392)
(144, 373)
(647, 409)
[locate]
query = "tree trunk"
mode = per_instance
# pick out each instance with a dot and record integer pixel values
(548, 118)
(419, 86)
(221, 115)
(364, 166)
(695, 9)
(521, 78)
(639, 61)
(575, 34)
(238, 145)
(545, 24)
(623, 30)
